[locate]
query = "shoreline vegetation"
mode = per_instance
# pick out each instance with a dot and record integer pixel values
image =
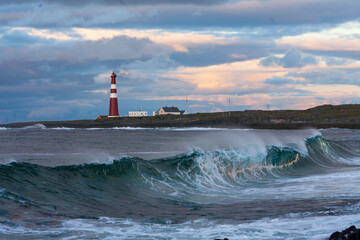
(325, 116)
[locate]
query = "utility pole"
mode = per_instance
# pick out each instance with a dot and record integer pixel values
(229, 101)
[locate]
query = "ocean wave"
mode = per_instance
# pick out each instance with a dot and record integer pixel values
(38, 125)
(190, 178)
(131, 128)
(194, 129)
(169, 129)
(182, 129)
(62, 128)
(7, 161)
(307, 227)
(210, 169)
(165, 128)
(318, 152)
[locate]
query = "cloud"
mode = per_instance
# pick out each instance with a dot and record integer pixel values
(194, 14)
(115, 2)
(120, 47)
(35, 48)
(142, 79)
(343, 37)
(213, 54)
(281, 81)
(337, 76)
(57, 56)
(293, 58)
(336, 61)
(179, 41)
(18, 38)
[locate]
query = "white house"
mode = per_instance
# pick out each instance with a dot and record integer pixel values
(138, 113)
(170, 110)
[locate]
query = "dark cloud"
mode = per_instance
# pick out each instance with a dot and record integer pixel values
(292, 59)
(40, 3)
(295, 58)
(329, 76)
(270, 61)
(175, 14)
(331, 61)
(331, 54)
(205, 55)
(144, 79)
(290, 92)
(16, 72)
(120, 47)
(32, 48)
(281, 81)
(18, 37)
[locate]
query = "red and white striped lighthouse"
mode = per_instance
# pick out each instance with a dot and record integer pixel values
(113, 108)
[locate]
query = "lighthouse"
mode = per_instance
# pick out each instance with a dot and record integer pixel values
(113, 108)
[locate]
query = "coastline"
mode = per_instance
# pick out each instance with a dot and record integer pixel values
(325, 116)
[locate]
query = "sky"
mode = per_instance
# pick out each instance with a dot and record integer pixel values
(56, 57)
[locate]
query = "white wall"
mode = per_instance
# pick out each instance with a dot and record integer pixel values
(138, 114)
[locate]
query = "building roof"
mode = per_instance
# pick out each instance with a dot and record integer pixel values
(171, 109)
(101, 116)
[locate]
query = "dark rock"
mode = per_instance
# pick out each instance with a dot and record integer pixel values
(221, 239)
(350, 233)
(335, 235)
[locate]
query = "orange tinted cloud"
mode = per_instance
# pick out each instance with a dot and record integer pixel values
(179, 41)
(343, 37)
(320, 43)
(231, 75)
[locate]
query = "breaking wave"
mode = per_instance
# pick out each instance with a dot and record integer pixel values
(41, 126)
(182, 179)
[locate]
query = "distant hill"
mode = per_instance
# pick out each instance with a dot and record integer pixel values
(325, 116)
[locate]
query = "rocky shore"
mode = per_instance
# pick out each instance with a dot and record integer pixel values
(326, 116)
(350, 233)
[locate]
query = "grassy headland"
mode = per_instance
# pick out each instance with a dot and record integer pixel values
(325, 116)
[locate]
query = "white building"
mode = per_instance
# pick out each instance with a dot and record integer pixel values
(170, 110)
(138, 113)
(183, 112)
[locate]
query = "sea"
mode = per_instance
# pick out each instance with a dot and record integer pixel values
(177, 183)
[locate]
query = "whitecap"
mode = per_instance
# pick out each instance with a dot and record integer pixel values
(38, 125)
(62, 128)
(291, 226)
(7, 161)
(130, 128)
